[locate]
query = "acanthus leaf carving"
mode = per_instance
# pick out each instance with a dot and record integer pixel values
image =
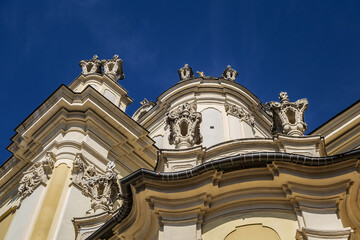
(288, 116)
(103, 189)
(239, 113)
(184, 124)
(39, 173)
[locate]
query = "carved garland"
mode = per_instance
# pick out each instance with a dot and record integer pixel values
(103, 189)
(37, 174)
(239, 113)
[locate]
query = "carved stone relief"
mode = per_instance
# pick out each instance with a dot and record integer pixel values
(288, 116)
(37, 174)
(186, 73)
(91, 66)
(112, 67)
(239, 113)
(229, 74)
(103, 189)
(184, 125)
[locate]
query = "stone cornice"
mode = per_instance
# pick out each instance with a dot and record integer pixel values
(198, 85)
(228, 164)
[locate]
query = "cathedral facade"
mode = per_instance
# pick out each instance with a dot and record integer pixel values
(206, 161)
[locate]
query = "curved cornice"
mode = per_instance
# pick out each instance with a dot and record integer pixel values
(228, 164)
(198, 85)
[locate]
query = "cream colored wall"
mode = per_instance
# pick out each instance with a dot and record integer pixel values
(50, 204)
(284, 224)
(231, 127)
(76, 205)
(26, 215)
(5, 222)
(253, 232)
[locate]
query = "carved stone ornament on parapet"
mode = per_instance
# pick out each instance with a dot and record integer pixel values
(239, 113)
(37, 174)
(91, 66)
(184, 124)
(186, 73)
(145, 107)
(229, 74)
(103, 189)
(288, 116)
(113, 67)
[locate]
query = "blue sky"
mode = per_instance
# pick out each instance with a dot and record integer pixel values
(308, 48)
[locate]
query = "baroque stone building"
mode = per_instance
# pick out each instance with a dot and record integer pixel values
(206, 161)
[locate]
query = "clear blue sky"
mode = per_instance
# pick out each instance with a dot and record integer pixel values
(308, 48)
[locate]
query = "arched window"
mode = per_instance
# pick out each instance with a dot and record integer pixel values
(211, 127)
(253, 232)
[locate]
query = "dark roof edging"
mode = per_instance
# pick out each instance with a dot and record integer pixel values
(233, 163)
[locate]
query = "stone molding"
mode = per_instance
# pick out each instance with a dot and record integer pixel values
(229, 74)
(146, 105)
(37, 174)
(288, 116)
(308, 233)
(111, 67)
(184, 124)
(103, 189)
(186, 73)
(239, 113)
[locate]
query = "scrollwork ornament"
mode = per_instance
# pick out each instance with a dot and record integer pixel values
(184, 124)
(40, 172)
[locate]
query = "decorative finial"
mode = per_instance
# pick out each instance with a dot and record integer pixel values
(186, 73)
(144, 102)
(283, 96)
(229, 74)
(91, 66)
(113, 67)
